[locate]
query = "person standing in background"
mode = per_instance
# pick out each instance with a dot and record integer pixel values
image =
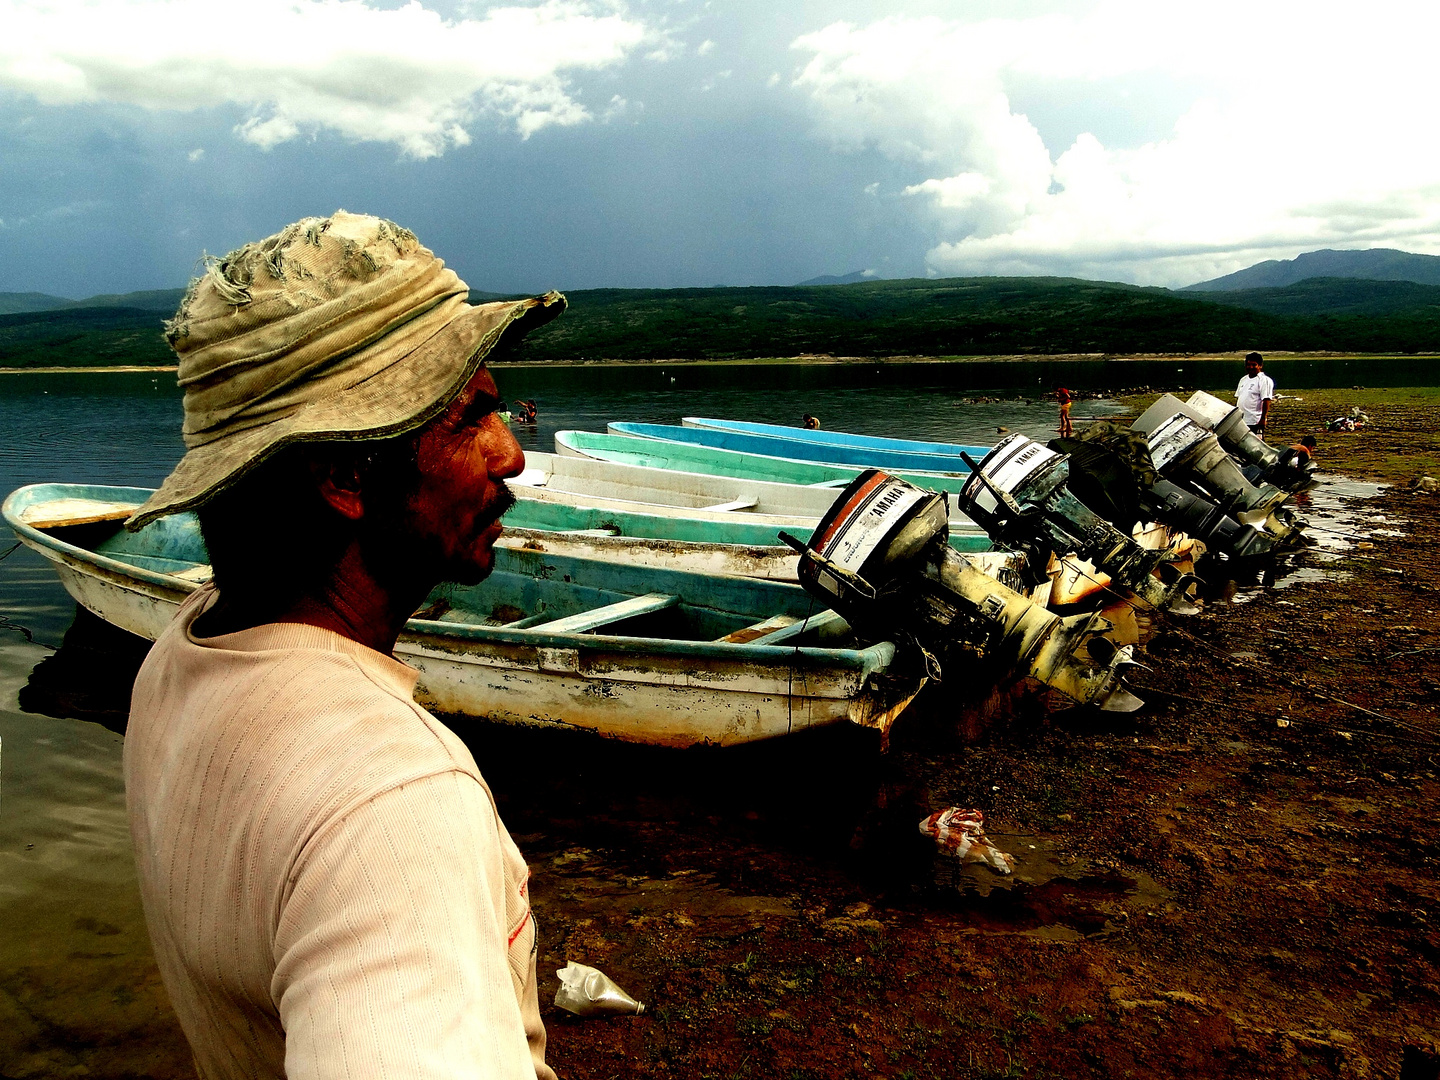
(1254, 393)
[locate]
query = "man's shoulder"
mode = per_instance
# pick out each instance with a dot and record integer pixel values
(278, 705)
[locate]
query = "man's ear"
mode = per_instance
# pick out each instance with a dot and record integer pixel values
(339, 485)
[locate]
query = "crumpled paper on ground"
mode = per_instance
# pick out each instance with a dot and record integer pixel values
(963, 833)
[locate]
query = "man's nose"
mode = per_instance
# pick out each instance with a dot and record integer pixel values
(508, 459)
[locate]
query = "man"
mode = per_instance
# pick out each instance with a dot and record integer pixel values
(1254, 393)
(327, 883)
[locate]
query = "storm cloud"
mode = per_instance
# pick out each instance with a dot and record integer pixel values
(584, 143)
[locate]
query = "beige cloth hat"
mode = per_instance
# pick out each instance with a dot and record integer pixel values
(343, 327)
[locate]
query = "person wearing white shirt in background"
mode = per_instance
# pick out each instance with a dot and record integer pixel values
(1255, 392)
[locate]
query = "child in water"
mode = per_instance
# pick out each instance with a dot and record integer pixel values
(1064, 397)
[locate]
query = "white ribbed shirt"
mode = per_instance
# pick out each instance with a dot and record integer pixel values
(1249, 393)
(328, 886)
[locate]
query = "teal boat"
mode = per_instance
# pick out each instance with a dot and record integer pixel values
(859, 455)
(641, 654)
(691, 457)
(654, 517)
(823, 437)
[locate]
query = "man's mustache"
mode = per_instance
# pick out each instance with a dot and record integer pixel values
(504, 502)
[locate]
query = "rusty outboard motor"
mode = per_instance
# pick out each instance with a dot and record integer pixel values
(1287, 469)
(880, 557)
(1018, 493)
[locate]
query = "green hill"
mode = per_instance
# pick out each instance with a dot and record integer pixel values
(950, 317)
(917, 317)
(942, 317)
(15, 303)
(1337, 296)
(82, 337)
(162, 300)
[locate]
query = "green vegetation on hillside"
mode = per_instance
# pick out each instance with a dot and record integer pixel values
(164, 301)
(83, 337)
(955, 316)
(919, 317)
(1339, 297)
(951, 317)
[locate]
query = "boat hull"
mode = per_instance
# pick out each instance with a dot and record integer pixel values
(691, 457)
(659, 691)
(824, 436)
(865, 455)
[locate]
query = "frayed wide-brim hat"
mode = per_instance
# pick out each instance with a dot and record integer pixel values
(338, 328)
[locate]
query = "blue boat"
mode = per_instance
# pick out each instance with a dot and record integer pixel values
(690, 457)
(855, 457)
(823, 437)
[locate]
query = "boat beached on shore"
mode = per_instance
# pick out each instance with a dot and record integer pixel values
(860, 454)
(602, 509)
(826, 437)
(647, 655)
(655, 453)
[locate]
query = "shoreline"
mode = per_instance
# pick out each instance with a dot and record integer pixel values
(60, 369)
(813, 360)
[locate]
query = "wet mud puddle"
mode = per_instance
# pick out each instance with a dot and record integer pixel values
(1341, 526)
(1049, 895)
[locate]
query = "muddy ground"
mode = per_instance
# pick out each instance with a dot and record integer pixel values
(1239, 880)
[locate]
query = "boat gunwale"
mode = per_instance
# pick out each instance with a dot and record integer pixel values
(871, 658)
(617, 427)
(825, 436)
(857, 469)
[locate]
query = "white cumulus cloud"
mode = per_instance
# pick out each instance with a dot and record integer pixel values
(1303, 126)
(403, 75)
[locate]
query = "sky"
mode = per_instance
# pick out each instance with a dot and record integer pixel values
(579, 144)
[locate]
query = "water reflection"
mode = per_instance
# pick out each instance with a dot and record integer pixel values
(89, 677)
(1340, 520)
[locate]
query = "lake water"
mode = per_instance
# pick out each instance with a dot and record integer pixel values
(124, 428)
(78, 988)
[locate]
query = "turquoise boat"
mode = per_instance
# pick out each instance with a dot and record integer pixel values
(641, 654)
(823, 437)
(655, 517)
(868, 456)
(658, 453)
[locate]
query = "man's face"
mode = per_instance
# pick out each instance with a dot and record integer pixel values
(1252, 368)
(463, 458)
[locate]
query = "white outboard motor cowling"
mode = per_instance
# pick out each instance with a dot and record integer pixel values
(1019, 494)
(880, 556)
(1286, 469)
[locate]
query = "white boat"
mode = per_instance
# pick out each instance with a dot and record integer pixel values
(633, 653)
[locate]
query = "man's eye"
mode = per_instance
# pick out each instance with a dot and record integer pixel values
(475, 415)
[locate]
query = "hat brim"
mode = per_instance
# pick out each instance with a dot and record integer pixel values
(400, 398)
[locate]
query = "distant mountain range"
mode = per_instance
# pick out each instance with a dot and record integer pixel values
(839, 279)
(162, 300)
(1374, 264)
(1375, 309)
